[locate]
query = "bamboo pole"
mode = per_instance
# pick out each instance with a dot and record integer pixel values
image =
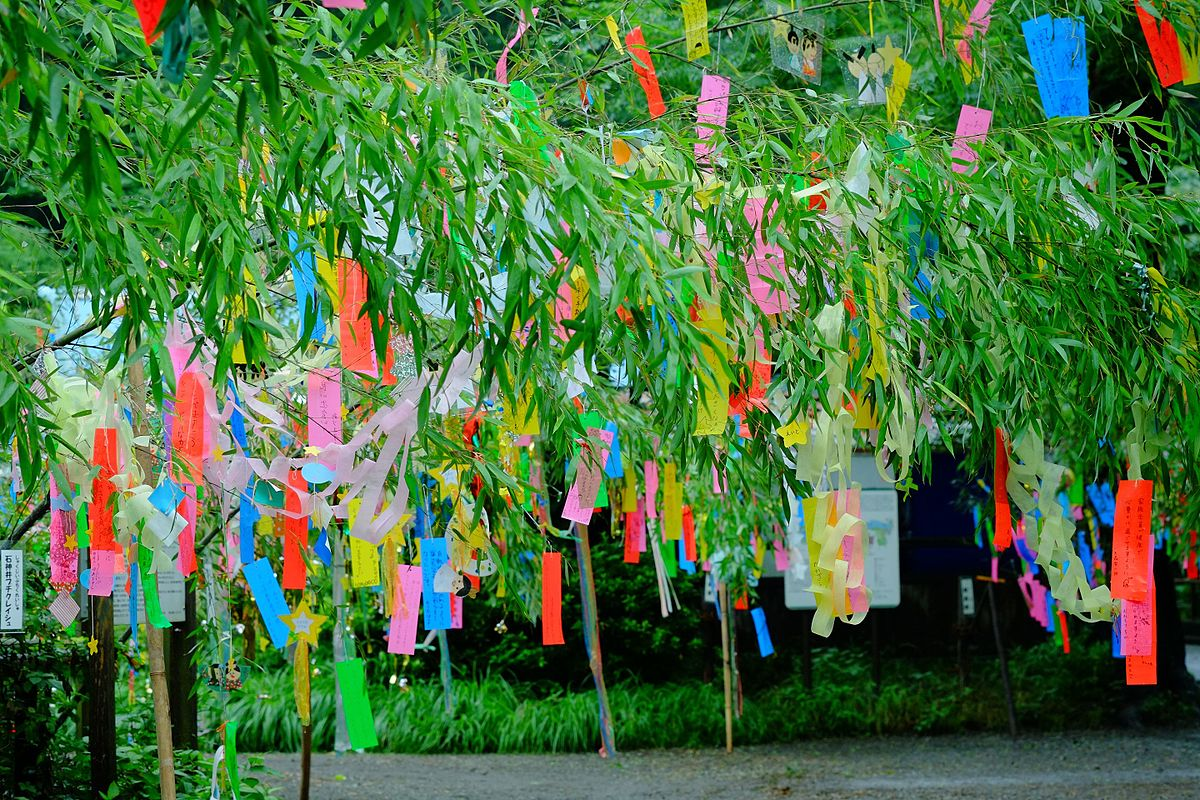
(723, 599)
(591, 636)
(154, 636)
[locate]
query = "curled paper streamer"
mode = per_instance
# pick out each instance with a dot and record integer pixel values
(502, 62)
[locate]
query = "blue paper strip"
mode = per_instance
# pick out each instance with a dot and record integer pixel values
(269, 597)
(1058, 52)
(304, 275)
(760, 630)
(436, 604)
(613, 467)
(247, 516)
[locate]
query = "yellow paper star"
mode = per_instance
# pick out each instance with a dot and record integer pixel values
(304, 623)
(890, 53)
(795, 432)
(72, 542)
(93, 646)
(312, 451)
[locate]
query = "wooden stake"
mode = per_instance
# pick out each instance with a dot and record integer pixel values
(101, 696)
(723, 600)
(591, 636)
(154, 636)
(305, 759)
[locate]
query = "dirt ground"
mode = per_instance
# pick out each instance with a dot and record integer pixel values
(1086, 765)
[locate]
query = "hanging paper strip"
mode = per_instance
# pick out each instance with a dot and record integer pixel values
(231, 762)
(1002, 535)
(189, 432)
(187, 537)
(765, 648)
(695, 28)
(1132, 540)
(1142, 670)
(1164, 46)
(651, 478)
(149, 13)
(264, 587)
(356, 704)
(672, 505)
(552, 632)
(1058, 51)
(325, 411)
(406, 604)
(149, 583)
(765, 269)
(354, 327)
(100, 512)
(712, 379)
(295, 534)
(434, 556)
(64, 560)
(712, 111)
(502, 62)
(589, 475)
(973, 126)
(643, 67)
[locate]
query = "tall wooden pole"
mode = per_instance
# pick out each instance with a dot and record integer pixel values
(1008, 693)
(723, 600)
(591, 635)
(154, 636)
(101, 696)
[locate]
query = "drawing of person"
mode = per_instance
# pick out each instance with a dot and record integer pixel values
(868, 68)
(810, 51)
(796, 57)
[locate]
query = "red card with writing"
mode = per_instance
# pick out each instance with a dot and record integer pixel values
(689, 534)
(552, 599)
(149, 13)
(354, 328)
(100, 514)
(643, 67)
(1002, 536)
(1143, 670)
(295, 534)
(188, 428)
(1131, 540)
(187, 538)
(1164, 46)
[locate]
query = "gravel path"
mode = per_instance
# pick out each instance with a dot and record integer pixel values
(1107, 765)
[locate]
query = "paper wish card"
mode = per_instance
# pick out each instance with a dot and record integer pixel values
(868, 65)
(797, 43)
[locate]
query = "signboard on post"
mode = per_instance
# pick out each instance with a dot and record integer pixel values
(12, 590)
(171, 596)
(881, 514)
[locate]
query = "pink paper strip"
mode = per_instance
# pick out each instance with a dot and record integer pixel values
(406, 604)
(101, 582)
(325, 410)
(581, 499)
(502, 62)
(712, 111)
(973, 126)
(651, 489)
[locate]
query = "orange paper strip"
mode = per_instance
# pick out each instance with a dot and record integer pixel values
(643, 66)
(1131, 540)
(100, 513)
(295, 535)
(552, 599)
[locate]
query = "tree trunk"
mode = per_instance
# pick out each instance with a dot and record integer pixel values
(181, 673)
(101, 703)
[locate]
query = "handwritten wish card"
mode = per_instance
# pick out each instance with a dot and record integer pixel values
(1058, 51)
(973, 126)
(712, 111)
(402, 635)
(589, 473)
(643, 67)
(695, 28)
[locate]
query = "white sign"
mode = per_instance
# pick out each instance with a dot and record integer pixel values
(966, 588)
(12, 590)
(171, 596)
(881, 512)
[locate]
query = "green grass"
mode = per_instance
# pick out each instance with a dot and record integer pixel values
(1053, 692)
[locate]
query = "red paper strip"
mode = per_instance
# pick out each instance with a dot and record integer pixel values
(1192, 571)
(149, 13)
(354, 328)
(1164, 46)
(100, 513)
(188, 439)
(632, 554)
(295, 534)
(689, 534)
(643, 67)
(1131, 540)
(187, 538)
(1143, 670)
(1062, 626)
(552, 599)
(1002, 536)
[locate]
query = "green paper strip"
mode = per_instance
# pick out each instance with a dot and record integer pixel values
(154, 612)
(82, 535)
(360, 724)
(231, 765)
(670, 556)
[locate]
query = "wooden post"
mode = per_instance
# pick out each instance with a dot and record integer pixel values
(305, 759)
(1008, 693)
(341, 737)
(101, 697)
(181, 673)
(154, 636)
(723, 601)
(591, 635)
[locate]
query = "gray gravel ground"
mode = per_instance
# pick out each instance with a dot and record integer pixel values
(1097, 766)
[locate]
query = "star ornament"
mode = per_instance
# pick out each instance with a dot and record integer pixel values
(304, 623)
(93, 646)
